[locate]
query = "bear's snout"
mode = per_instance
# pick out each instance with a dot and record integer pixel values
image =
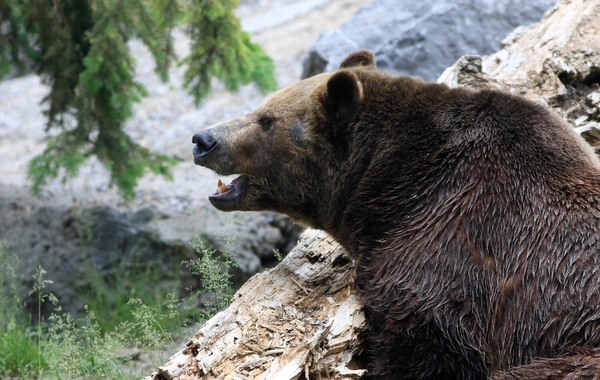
(205, 143)
(213, 150)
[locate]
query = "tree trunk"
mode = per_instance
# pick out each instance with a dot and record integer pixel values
(302, 319)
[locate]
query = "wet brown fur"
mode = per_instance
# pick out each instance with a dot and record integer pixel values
(474, 217)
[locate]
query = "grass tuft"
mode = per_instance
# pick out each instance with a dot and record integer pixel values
(119, 314)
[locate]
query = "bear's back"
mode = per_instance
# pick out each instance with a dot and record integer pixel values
(487, 221)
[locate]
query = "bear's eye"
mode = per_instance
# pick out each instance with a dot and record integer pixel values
(265, 123)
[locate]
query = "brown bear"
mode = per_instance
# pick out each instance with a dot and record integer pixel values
(474, 217)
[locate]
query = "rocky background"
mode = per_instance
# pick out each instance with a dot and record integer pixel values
(84, 226)
(422, 38)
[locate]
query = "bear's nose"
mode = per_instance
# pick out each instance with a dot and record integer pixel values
(204, 142)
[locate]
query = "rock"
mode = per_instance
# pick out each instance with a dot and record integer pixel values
(251, 237)
(77, 244)
(422, 38)
(467, 71)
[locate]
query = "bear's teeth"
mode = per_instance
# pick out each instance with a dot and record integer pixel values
(221, 187)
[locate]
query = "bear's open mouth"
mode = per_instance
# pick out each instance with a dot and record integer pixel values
(228, 197)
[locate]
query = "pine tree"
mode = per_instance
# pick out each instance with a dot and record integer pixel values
(79, 49)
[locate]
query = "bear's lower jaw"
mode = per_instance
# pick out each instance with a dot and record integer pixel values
(229, 199)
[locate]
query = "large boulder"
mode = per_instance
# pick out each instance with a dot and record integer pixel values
(422, 38)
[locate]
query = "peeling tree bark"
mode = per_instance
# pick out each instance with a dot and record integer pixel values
(301, 319)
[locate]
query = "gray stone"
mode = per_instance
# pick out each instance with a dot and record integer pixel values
(422, 38)
(77, 245)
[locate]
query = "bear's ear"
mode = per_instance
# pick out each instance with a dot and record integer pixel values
(362, 58)
(344, 95)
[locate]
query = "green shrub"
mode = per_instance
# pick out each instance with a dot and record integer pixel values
(129, 314)
(19, 350)
(213, 270)
(109, 296)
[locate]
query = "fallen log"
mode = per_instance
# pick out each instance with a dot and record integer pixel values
(298, 319)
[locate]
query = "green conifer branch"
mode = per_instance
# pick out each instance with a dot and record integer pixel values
(222, 50)
(80, 50)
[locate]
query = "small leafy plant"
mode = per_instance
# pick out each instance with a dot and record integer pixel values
(214, 272)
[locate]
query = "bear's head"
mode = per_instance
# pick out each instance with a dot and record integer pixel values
(289, 151)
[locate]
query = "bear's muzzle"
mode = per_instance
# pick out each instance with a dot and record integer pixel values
(205, 143)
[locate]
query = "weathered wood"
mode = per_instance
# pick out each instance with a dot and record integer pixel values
(298, 319)
(301, 319)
